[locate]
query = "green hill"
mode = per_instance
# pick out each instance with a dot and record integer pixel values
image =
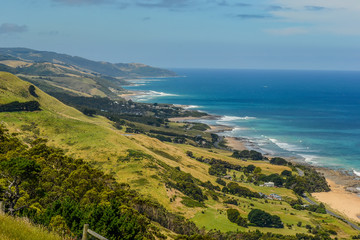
(162, 171)
(104, 68)
(54, 72)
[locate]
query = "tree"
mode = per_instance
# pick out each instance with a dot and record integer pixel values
(278, 161)
(250, 168)
(263, 219)
(32, 91)
(19, 173)
(89, 112)
(234, 216)
(286, 173)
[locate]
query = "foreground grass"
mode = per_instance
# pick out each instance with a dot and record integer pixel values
(19, 228)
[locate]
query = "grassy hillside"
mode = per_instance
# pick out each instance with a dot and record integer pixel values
(64, 78)
(152, 166)
(104, 68)
(21, 229)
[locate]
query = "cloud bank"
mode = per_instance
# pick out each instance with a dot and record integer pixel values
(7, 28)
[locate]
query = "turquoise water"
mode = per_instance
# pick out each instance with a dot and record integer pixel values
(310, 115)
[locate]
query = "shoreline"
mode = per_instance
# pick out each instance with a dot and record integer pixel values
(344, 187)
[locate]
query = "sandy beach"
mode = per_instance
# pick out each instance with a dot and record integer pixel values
(184, 119)
(219, 128)
(235, 143)
(339, 199)
(127, 96)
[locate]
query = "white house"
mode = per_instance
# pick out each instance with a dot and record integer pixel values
(269, 184)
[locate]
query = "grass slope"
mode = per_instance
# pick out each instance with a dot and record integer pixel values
(21, 229)
(96, 140)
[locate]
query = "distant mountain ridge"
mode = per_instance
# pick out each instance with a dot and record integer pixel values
(54, 72)
(125, 70)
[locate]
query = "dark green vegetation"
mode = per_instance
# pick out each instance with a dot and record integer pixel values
(278, 161)
(263, 219)
(312, 181)
(234, 216)
(59, 189)
(22, 106)
(246, 154)
(240, 191)
(19, 107)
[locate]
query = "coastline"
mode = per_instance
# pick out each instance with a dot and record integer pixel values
(344, 196)
(344, 202)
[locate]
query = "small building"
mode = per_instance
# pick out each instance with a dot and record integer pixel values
(274, 196)
(269, 184)
(228, 177)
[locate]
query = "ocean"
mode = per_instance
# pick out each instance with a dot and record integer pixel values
(313, 116)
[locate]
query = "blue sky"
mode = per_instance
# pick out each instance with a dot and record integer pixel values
(264, 34)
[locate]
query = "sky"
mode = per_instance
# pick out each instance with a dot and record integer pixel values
(262, 34)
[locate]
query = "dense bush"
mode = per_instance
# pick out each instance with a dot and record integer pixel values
(32, 91)
(246, 154)
(263, 219)
(20, 107)
(232, 201)
(235, 189)
(72, 192)
(234, 216)
(317, 208)
(286, 173)
(217, 170)
(220, 181)
(278, 161)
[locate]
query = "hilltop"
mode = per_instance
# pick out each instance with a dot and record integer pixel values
(128, 70)
(54, 72)
(170, 173)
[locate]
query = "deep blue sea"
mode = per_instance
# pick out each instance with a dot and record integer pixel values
(310, 115)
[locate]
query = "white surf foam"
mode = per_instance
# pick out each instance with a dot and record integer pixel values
(357, 173)
(309, 158)
(287, 146)
(161, 94)
(148, 95)
(191, 106)
(237, 129)
(234, 118)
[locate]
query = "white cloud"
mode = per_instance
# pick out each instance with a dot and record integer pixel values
(331, 16)
(12, 28)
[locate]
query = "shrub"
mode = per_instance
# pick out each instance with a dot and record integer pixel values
(234, 216)
(234, 188)
(254, 155)
(32, 91)
(263, 219)
(278, 161)
(217, 170)
(232, 201)
(220, 181)
(286, 173)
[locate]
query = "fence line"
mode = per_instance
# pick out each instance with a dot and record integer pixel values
(2, 209)
(87, 231)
